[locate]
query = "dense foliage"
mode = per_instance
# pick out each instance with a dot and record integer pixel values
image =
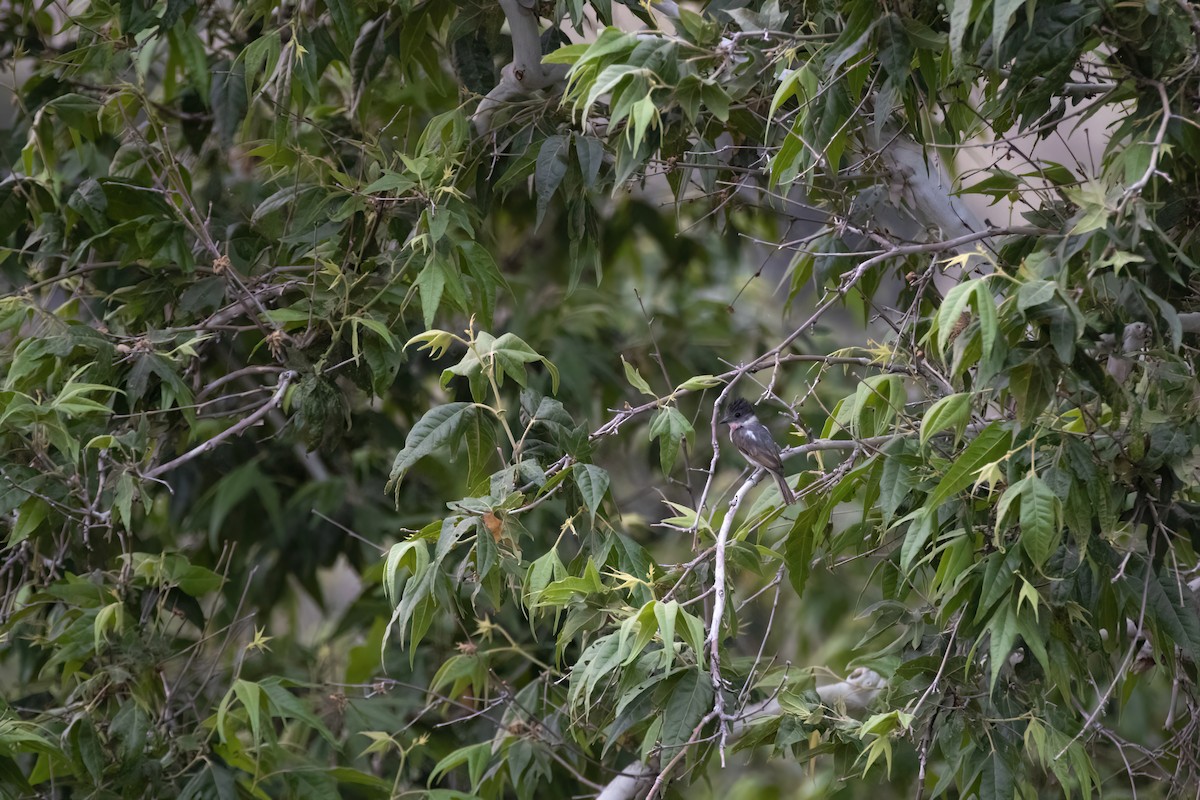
(362, 365)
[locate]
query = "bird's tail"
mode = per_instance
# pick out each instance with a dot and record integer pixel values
(785, 491)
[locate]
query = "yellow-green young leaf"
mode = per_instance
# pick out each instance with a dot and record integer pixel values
(665, 614)
(250, 696)
(110, 618)
(635, 378)
(646, 623)
(1028, 593)
(684, 518)
(567, 54)
(541, 573)
(610, 40)
(644, 117)
(412, 555)
(693, 632)
(102, 442)
(989, 325)
(885, 723)
(699, 382)
(381, 742)
(800, 83)
(953, 411)
(881, 745)
(992, 474)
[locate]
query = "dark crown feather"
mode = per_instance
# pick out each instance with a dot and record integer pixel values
(740, 408)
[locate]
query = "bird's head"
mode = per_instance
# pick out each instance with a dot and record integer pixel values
(739, 413)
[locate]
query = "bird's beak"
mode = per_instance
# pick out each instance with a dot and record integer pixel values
(725, 420)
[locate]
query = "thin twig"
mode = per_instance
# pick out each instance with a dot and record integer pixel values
(285, 379)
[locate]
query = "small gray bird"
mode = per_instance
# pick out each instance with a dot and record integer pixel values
(755, 443)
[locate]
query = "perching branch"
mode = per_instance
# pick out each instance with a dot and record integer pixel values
(526, 73)
(855, 694)
(285, 379)
(713, 641)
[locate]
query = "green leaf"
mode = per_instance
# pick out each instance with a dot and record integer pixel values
(800, 544)
(344, 21)
(878, 400)
(593, 485)
(1002, 13)
(1031, 385)
(285, 705)
(367, 58)
(590, 153)
(920, 531)
(691, 699)
(990, 445)
(952, 411)
(430, 283)
(261, 55)
(250, 695)
(194, 58)
(635, 379)
(31, 515)
(475, 756)
(960, 17)
(952, 307)
(1041, 520)
(510, 354)
(90, 202)
(551, 168)
(1003, 629)
(1035, 293)
(438, 426)
(670, 427)
(895, 481)
(86, 747)
(665, 614)
(1171, 608)
(998, 781)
